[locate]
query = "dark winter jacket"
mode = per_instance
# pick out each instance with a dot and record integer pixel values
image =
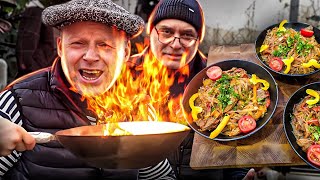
(48, 105)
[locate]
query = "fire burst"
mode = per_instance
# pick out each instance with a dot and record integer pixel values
(140, 94)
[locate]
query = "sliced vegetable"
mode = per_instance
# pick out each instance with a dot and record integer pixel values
(276, 64)
(195, 110)
(263, 47)
(259, 113)
(315, 132)
(220, 127)
(313, 154)
(316, 108)
(247, 124)
(268, 101)
(254, 80)
(281, 28)
(313, 122)
(254, 97)
(313, 93)
(311, 62)
(206, 82)
(306, 32)
(288, 63)
(214, 72)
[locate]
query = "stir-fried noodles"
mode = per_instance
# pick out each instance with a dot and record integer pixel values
(283, 44)
(305, 123)
(234, 94)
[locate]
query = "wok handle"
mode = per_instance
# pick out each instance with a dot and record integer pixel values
(42, 137)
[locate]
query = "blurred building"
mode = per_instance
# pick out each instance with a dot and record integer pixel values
(236, 22)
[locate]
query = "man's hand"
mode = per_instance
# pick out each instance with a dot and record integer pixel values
(14, 137)
(250, 175)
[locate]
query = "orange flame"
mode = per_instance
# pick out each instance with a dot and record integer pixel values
(132, 96)
(140, 46)
(142, 96)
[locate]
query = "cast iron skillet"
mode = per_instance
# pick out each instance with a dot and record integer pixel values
(294, 99)
(120, 152)
(251, 68)
(296, 26)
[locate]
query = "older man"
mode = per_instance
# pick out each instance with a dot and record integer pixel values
(176, 29)
(94, 42)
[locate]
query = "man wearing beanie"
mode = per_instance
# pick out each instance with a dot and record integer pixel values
(93, 45)
(176, 28)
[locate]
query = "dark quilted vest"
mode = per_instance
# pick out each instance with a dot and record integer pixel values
(48, 106)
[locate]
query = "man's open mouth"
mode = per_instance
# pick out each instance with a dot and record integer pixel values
(90, 74)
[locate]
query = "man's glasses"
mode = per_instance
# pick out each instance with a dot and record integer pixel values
(166, 36)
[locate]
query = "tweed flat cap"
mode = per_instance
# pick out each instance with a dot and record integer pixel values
(104, 11)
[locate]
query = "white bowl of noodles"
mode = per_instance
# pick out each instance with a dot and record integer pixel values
(289, 49)
(238, 74)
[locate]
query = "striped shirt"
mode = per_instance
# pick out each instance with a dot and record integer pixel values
(9, 110)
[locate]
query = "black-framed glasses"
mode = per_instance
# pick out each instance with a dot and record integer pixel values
(166, 37)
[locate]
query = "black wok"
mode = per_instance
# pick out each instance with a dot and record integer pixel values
(294, 99)
(296, 26)
(251, 68)
(121, 152)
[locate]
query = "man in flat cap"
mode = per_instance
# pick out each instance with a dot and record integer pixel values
(94, 42)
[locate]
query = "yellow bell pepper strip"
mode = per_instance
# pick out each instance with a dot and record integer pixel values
(254, 93)
(255, 81)
(261, 109)
(220, 127)
(206, 82)
(288, 63)
(195, 110)
(281, 28)
(311, 62)
(264, 47)
(313, 93)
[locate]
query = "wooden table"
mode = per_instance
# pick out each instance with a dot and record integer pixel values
(268, 146)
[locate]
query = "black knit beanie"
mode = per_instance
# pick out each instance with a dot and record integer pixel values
(185, 10)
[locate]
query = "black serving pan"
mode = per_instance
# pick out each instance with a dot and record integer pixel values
(294, 99)
(296, 26)
(251, 68)
(140, 150)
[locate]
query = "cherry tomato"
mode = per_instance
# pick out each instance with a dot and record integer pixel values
(214, 72)
(247, 124)
(306, 32)
(276, 64)
(313, 154)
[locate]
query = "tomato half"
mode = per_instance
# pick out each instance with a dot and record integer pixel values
(214, 72)
(276, 64)
(313, 154)
(306, 32)
(247, 124)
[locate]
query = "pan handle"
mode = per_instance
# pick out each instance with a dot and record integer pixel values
(42, 137)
